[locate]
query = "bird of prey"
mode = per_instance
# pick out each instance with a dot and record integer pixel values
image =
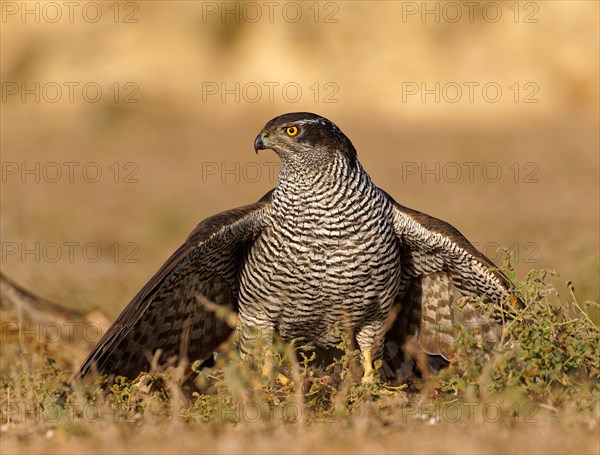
(325, 248)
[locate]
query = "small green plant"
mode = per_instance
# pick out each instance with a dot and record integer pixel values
(550, 353)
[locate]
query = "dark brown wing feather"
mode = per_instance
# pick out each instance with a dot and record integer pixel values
(166, 314)
(439, 267)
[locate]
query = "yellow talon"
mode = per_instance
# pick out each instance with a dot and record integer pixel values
(368, 367)
(268, 370)
(283, 379)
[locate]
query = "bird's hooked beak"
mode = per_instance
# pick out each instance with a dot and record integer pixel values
(262, 142)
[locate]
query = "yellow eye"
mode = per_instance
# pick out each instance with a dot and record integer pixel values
(291, 131)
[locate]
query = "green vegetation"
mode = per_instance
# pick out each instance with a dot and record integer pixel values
(547, 370)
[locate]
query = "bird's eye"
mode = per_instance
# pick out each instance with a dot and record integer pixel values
(291, 131)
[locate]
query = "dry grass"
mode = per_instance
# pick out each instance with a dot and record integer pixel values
(544, 382)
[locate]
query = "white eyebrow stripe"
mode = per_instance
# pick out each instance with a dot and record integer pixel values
(308, 121)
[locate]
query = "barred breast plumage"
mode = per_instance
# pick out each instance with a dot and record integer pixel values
(328, 255)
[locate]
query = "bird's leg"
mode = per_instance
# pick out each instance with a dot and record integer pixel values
(254, 339)
(255, 348)
(370, 341)
(367, 366)
(267, 370)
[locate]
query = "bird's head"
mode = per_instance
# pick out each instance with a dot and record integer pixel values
(302, 137)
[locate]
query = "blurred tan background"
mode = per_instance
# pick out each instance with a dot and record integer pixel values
(516, 167)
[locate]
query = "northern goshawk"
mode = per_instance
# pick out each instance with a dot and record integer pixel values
(326, 248)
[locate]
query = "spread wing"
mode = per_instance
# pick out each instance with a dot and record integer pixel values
(166, 313)
(439, 267)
